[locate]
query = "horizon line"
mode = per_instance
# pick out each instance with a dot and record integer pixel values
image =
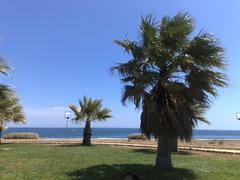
(122, 128)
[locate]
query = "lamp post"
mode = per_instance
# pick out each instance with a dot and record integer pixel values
(67, 115)
(238, 116)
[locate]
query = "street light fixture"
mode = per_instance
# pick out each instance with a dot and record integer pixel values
(238, 116)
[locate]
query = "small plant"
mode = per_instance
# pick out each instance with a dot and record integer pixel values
(220, 142)
(21, 136)
(212, 142)
(136, 137)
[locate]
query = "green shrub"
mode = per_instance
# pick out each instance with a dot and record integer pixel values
(220, 142)
(21, 136)
(212, 142)
(136, 137)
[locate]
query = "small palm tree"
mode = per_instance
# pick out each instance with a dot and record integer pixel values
(90, 110)
(10, 107)
(171, 76)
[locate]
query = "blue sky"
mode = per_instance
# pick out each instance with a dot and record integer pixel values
(62, 49)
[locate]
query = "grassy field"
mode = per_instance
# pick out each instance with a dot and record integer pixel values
(25, 161)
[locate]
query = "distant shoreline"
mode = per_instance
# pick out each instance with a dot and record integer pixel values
(112, 128)
(118, 133)
(109, 138)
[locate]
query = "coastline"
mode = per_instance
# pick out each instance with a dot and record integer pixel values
(73, 132)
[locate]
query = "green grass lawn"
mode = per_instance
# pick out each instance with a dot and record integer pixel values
(25, 161)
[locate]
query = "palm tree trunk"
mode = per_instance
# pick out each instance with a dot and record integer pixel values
(87, 133)
(0, 136)
(174, 144)
(163, 160)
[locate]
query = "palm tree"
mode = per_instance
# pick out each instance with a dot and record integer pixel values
(171, 76)
(89, 111)
(10, 107)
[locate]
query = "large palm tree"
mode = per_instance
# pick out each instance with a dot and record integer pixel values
(171, 76)
(10, 107)
(90, 110)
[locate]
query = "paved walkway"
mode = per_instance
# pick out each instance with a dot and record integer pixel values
(128, 144)
(228, 151)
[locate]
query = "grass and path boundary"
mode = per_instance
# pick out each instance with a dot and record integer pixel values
(197, 145)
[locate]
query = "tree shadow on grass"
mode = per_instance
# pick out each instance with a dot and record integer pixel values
(71, 145)
(144, 171)
(78, 145)
(182, 153)
(146, 151)
(154, 151)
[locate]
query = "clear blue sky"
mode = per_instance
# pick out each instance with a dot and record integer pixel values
(62, 50)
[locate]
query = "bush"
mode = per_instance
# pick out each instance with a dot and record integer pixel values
(136, 137)
(21, 136)
(212, 142)
(220, 142)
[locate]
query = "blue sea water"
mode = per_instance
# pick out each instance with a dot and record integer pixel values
(117, 133)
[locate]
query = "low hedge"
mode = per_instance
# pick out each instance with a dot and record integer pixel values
(137, 137)
(21, 136)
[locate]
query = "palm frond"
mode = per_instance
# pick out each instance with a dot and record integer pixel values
(77, 112)
(4, 68)
(11, 109)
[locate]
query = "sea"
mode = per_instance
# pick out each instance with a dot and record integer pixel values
(117, 133)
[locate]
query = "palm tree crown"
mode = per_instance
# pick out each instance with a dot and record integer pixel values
(90, 110)
(171, 75)
(10, 107)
